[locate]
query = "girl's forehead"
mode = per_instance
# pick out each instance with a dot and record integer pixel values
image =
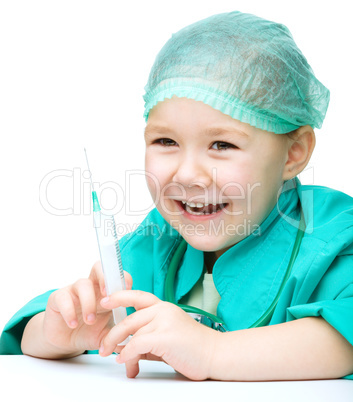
(180, 113)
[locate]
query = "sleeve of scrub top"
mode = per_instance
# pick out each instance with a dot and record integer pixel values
(10, 341)
(338, 311)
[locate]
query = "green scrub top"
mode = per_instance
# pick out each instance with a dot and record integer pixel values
(249, 274)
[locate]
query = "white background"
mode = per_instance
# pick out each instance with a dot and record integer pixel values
(72, 75)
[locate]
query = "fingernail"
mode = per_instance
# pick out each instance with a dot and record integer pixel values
(91, 317)
(73, 323)
(105, 300)
(101, 349)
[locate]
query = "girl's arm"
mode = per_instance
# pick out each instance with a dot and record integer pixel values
(308, 348)
(305, 349)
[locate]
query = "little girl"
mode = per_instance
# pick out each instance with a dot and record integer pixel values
(266, 263)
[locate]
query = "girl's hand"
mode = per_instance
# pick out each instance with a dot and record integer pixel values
(161, 331)
(74, 320)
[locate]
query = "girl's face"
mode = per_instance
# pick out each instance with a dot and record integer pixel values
(213, 178)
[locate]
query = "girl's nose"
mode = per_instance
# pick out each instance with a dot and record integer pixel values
(190, 172)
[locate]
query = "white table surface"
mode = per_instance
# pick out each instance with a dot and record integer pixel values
(93, 378)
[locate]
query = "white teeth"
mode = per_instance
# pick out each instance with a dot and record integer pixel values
(193, 204)
(190, 208)
(198, 204)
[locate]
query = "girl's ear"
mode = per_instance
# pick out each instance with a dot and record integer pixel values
(300, 148)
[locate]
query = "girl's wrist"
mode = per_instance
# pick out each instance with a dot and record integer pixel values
(216, 352)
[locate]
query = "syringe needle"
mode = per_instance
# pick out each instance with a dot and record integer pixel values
(90, 174)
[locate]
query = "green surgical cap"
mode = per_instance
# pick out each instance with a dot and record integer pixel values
(246, 67)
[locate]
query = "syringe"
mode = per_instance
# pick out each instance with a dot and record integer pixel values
(109, 252)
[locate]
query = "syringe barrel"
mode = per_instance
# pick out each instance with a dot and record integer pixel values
(110, 258)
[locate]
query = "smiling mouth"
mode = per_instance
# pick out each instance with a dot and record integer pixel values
(197, 208)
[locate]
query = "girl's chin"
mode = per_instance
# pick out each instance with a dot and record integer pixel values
(207, 243)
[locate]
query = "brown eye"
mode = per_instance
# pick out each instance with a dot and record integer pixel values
(166, 142)
(221, 146)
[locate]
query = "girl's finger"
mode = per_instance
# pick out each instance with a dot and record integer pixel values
(129, 326)
(61, 302)
(128, 280)
(132, 366)
(130, 298)
(84, 289)
(96, 275)
(141, 345)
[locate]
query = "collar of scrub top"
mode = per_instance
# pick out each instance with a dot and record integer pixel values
(211, 320)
